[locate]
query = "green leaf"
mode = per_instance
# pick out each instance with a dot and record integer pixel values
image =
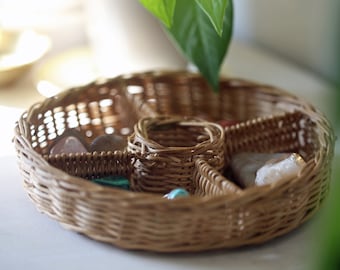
(162, 9)
(198, 40)
(327, 234)
(215, 10)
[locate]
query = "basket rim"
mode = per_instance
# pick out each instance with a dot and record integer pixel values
(139, 132)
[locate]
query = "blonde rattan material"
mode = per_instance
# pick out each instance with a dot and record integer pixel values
(165, 149)
(289, 132)
(208, 181)
(95, 110)
(219, 214)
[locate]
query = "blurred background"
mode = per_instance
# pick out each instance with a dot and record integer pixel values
(304, 31)
(49, 46)
(109, 37)
(87, 39)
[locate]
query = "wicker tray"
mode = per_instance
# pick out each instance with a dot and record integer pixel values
(218, 214)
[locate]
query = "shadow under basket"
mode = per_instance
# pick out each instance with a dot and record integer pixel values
(217, 214)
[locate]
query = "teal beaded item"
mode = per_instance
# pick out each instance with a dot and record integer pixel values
(113, 181)
(177, 193)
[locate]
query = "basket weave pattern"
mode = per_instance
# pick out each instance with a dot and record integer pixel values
(219, 214)
(166, 148)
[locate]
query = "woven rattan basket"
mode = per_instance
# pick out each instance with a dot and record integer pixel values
(218, 214)
(165, 149)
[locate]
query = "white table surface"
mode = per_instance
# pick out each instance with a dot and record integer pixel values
(31, 240)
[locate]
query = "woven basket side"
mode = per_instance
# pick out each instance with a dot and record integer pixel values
(184, 93)
(158, 91)
(137, 88)
(39, 180)
(320, 175)
(208, 181)
(93, 110)
(289, 132)
(93, 165)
